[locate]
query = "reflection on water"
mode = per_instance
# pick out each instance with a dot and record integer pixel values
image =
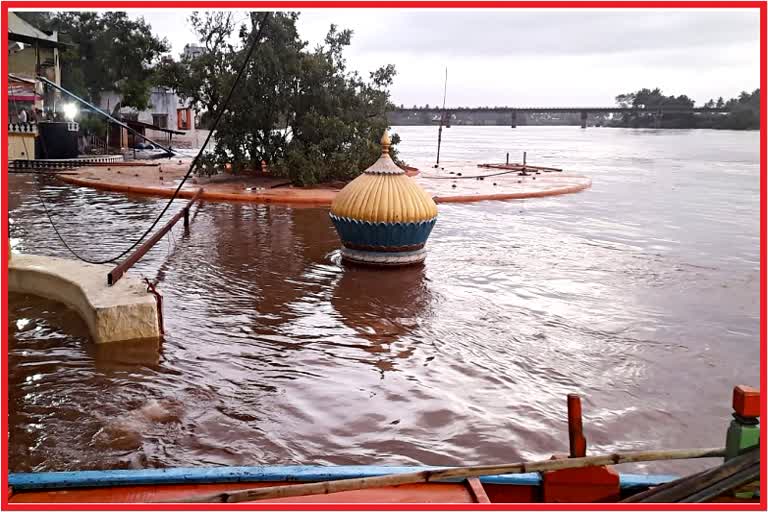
(641, 293)
(381, 307)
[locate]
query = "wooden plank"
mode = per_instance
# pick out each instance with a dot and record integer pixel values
(679, 489)
(477, 490)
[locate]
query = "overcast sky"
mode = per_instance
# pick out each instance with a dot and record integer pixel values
(526, 57)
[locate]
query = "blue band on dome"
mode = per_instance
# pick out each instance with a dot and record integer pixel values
(384, 235)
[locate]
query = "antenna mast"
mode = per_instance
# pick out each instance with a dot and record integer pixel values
(442, 118)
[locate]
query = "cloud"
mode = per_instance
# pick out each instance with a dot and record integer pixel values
(519, 32)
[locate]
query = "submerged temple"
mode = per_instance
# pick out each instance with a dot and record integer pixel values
(383, 217)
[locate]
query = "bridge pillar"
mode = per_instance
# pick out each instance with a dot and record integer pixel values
(513, 120)
(583, 118)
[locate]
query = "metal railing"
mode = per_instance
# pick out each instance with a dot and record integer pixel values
(118, 272)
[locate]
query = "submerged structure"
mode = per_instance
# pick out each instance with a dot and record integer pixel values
(383, 217)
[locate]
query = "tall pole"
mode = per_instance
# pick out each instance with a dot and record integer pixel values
(442, 117)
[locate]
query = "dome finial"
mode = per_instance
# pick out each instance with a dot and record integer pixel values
(386, 141)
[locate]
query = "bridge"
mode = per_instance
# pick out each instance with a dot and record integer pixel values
(510, 113)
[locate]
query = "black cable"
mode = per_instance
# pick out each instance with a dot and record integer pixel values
(248, 55)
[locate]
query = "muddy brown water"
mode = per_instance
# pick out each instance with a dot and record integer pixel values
(640, 293)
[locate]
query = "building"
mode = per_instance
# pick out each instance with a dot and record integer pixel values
(192, 51)
(167, 115)
(32, 52)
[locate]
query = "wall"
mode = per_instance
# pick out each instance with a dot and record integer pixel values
(24, 63)
(21, 146)
(122, 312)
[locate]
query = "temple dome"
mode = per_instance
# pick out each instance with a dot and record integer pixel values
(384, 193)
(383, 217)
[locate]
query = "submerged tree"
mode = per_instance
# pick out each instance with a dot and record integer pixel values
(302, 111)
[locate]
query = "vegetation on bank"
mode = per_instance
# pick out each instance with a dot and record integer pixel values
(743, 113)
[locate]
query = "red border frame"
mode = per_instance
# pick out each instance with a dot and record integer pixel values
(458, 4)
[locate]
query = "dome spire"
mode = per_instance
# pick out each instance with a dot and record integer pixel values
(386, 141)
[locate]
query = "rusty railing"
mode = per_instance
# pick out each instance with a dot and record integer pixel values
(117, 272)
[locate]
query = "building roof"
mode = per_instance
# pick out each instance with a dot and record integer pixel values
(21, 31)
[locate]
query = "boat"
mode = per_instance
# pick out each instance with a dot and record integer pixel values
(572, 478)
(179, 484)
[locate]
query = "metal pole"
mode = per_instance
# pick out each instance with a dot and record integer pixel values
(439, 138)
(97, 109)
(442, 118)
(507, 158)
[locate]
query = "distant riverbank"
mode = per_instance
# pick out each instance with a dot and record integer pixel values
(641, 109)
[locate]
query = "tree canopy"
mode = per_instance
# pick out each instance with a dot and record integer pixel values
(110, 52)
(302, 111)
(743, 113)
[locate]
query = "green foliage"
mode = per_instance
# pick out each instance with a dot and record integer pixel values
(743, 112)
(201, 79)
(302, 111)
(92, 123)
(111, 53)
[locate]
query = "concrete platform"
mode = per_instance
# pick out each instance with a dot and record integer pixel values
(469, 183)
(125, 311)
(162, 178)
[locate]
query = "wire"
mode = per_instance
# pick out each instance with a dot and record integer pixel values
(472, 177)
(220, 114)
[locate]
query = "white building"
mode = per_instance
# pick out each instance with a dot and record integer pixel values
(192, 51)
(166, 110)
(167, 113)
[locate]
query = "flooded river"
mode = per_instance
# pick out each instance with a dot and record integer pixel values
(640, 293)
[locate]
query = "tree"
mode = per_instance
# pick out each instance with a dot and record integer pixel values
(111, 53)
(301, 111)
(743, 112)
(200, 79)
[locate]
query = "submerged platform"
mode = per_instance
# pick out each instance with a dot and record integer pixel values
(466, 183)
(121, 312)
(162, 178)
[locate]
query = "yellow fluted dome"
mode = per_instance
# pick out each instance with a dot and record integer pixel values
(384, 193)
